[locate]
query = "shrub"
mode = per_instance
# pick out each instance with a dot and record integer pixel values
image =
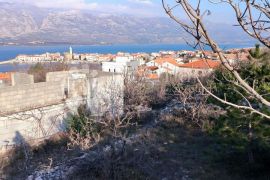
(246, 133)
(83, 129)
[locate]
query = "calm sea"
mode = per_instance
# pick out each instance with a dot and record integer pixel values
(10, 52)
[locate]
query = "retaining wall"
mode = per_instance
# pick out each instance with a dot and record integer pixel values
(35, 124)
(28, 96)
(37, 110)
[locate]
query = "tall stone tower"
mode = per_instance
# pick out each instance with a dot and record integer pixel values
(70, 51)
(69, 55)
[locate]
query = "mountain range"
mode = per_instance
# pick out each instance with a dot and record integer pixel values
(27, 24)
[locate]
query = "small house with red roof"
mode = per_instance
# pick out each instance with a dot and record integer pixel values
(201, 67)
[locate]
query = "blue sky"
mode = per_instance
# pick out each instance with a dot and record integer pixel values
(220, 13)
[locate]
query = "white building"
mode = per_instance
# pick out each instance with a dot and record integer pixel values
(151, 63)
(141, 61)
(89, 57)
(122, 64)
(40, 58)
(76, 56)
(33, 58)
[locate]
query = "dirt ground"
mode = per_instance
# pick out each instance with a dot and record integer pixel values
(166, 151)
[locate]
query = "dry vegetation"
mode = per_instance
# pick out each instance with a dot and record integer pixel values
(164, 134)
(170, 129)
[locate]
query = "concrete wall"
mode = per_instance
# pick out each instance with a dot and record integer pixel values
(36, 124)
(63, 75)
(77, 88)
(57, 76)
(75, 81)
(21, 79)
(24, 97)
(33, 111)
(106, 94)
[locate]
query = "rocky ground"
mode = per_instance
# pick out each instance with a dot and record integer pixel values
(160, 148)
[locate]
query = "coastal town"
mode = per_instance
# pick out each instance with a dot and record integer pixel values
(151, 66)
(73, 86)
(134, 89)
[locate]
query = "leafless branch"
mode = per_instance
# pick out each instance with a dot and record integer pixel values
(198, 30)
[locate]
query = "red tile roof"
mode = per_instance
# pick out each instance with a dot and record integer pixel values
(170, 60)
(202, 64)
(151, 68)
(147, 72)
(167, 69)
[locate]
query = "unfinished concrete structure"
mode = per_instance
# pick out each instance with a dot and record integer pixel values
(30, 111)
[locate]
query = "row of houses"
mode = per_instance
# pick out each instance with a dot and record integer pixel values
(169, 65)
(182, 63)
(40, 58)
(68, 56)
(155, 68)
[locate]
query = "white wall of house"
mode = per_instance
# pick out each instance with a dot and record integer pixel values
(184, 72)
(192, 72)
(162, 70)
(121, 59)
(174, 68)
(141, 61)
(120, 66)
(151, 63)
(33, 58)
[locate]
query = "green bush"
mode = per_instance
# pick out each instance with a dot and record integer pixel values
(246, 134)
(82, 123)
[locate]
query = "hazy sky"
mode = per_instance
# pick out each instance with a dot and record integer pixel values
(220, 13)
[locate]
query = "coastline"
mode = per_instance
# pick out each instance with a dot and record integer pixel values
(10, 52)
(7, 62)
(13, 65)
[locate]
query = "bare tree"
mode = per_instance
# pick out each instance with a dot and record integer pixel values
(253, 17)
(193, 99)
(258, 29)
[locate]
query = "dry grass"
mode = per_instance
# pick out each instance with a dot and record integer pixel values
(16, 164)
